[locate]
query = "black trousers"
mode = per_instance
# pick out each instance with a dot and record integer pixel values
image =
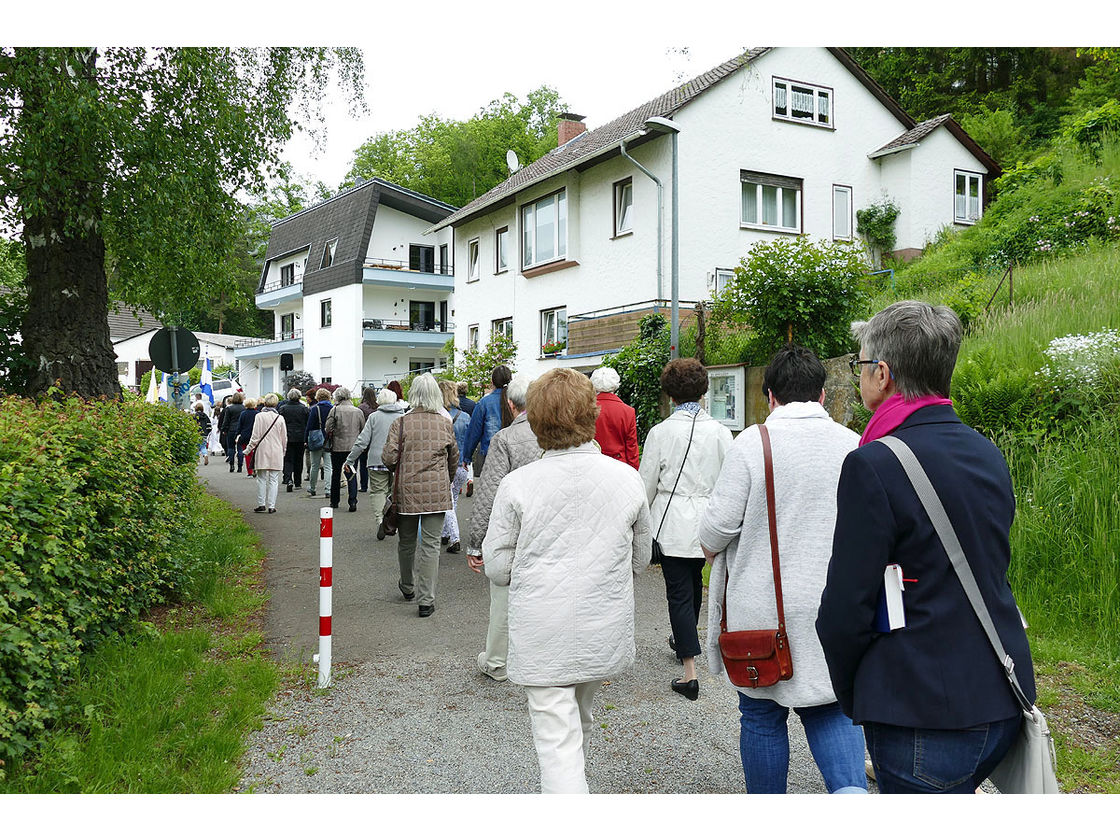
(684, 589)
(293, 463)
(337, 460)
(363, 472)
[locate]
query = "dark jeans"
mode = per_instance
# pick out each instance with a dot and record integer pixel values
(684, 588)
(911, 760)
(234, 450)
(363, 472)
(293, 463)
(337, 460)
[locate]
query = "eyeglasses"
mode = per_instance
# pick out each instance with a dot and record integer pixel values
(854, 363)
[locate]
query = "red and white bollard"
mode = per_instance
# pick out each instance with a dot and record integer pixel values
(326, 560)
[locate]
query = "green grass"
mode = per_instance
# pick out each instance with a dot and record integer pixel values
(166, 709)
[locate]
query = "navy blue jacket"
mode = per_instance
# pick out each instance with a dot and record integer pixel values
(245, 426)
(938, 672)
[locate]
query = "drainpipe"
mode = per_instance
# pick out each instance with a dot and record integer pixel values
(660, 211)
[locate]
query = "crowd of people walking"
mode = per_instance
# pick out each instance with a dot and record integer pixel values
(803, 523)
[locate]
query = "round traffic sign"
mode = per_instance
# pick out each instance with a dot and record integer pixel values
(186, 349)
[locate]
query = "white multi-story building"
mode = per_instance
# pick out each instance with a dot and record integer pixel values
(360, 292)
(567, 253)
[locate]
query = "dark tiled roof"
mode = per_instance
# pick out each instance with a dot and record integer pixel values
(603, 139)
(128, 323)
(349, 218)
(914, 135)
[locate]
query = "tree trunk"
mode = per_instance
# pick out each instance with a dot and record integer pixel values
(66, 330)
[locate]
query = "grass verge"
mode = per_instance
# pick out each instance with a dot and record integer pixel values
(165, 709)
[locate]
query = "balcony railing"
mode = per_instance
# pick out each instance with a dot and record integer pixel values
(275, 285)
(291, 335)
(410, 325)
(406, 265)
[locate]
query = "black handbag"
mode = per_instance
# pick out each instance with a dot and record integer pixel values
(657, 555)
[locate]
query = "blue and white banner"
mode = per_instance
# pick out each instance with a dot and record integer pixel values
(163, 397)
(208, 382)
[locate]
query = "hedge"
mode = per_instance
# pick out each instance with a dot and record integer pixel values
(94, 495)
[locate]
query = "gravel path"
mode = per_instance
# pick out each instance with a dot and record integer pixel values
(408, 712)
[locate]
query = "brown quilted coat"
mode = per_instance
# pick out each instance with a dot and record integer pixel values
(428, 463)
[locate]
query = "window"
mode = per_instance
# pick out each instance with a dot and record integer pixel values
(722, 276)
(287, 274)
(503, 326)
(501, 250)
(771, 201)
(841, 212)
(421, 315)
(420, 365)
(288, 325)
(544, 226)
(966, 197)
(554, 330)
(422, 258)
(444, 266)
(325, 369)
(802, 103)
(472, 337)
(325, 313)
(472, 261)
(623, 206)
(328, 254)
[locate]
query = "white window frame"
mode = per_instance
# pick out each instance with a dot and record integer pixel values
(969, 178)
(623, 210)
(474, 263)
(501, 254)
(720, 278)
(472, 337)
(782, 185)
(499, 325)
(529, 245)
(846, 190)
(559, 325)
(328, 253)
(325, 313)
(288, 333)
(287, 275)
(782, 91)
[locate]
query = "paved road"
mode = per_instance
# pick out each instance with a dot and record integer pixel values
(409, 713)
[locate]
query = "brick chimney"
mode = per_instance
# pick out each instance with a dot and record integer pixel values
(570, 125)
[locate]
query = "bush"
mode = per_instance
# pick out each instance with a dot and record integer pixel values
(477, 365)
(792, 289)
(95, 495)
(875, 223)
(639, 365)
(1090, 128)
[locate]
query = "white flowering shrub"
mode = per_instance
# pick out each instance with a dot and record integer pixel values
(1082, 372)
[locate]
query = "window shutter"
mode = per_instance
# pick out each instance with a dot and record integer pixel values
(768, 180)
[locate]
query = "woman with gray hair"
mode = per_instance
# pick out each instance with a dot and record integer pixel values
(616, 429)
(421, 448)
(269, 440)
(511, 448)
(343, 426)
(935, 702)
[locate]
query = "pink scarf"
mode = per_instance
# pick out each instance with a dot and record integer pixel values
(893, 411)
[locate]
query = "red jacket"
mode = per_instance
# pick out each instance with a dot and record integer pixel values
(616, 430)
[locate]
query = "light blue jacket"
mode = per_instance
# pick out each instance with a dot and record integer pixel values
(486, 420)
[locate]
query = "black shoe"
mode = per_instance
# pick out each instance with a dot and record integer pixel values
(272, 510)
(690, 689)
(239, 469)
(454, 548)
(259, 509)
(408, 596)
(231, 467)
(381, 531)
(353, 506)
(290, 486)
(426, 610)
(362, 490)
(445, 540)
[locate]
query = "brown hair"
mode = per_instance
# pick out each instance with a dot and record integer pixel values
(395, 387)
(684, 380)
(562, 409)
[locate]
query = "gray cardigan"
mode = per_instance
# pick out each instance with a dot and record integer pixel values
(373, 434)
(512, 447)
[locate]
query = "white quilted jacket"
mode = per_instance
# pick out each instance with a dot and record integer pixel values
(567, 535)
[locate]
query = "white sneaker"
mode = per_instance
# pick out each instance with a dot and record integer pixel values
(496, 674)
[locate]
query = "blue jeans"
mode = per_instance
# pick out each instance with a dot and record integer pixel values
(911, 760)
(836, 744)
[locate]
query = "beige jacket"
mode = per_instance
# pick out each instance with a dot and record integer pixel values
(345, 422)
(427, 464)
(268, 441)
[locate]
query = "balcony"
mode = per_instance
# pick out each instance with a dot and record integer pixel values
(279, 291)
(262, 348)
(383, 332)
(406, 274)
(608, 330)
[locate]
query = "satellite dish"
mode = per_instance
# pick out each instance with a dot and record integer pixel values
(512, 162)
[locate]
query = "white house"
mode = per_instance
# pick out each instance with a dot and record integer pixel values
(132, 334)
(360, 292)
(574, 247)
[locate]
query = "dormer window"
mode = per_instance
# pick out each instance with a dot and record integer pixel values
(803, 103)
(328, 254)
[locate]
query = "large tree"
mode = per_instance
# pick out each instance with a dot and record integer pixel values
(458, 161)
(138, 154)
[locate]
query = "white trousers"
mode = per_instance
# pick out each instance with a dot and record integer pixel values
(493, 659)
(561, 719)
(268, 484)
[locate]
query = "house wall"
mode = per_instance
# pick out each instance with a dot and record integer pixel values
(932, 184)
(299, 259)
(341, 342)
(393, 232)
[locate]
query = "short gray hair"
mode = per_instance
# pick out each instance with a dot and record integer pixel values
(517, 391)
(424, 394)
(341, 395)
(605, 379)
(295, 394)
(918, 341)
(386, 396)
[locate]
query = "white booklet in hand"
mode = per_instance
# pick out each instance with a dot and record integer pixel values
(890, 615)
